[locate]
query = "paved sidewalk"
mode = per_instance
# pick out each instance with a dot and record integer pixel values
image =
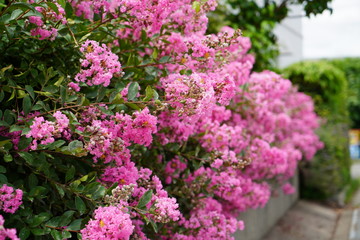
(312, 221)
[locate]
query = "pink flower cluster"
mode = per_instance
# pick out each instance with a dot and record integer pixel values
(44, 132)
(44, 28)
(117, 222)
(109, 223)
(7, 233)
(10, 199)
(111, 135)
(99, 66)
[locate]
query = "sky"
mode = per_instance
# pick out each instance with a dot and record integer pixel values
(333, 35)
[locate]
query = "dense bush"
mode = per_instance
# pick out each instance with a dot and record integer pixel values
(122, 120)
(351, 68)
(330, 170)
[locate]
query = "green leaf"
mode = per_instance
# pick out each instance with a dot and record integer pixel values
(63, 94)
(133, 106)
(75, 225)
(3, 178)
(60, 190)
(145, 199)
(66, 235)
(154, 225)
(149, 93)
(70, 174)
(9, 116)
(56, 234)
(37, 220)
(15, 128)
(39, 231)
(8, 158)
(33, 181)
(22, 5)
(24, 142)
(30, 90)
(2, 169)
(65, 219)
(53, 7)
(38, 191)
(80, 205)
(68, 10)
(24, 233)
(165, 59)
(29, 158)
(54, 222)
(2, 95)
(26, 105)
(133, 91)
(3, 123)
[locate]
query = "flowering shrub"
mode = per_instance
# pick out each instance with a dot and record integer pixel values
(128, 122)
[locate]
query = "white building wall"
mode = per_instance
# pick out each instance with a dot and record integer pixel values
(290, 38)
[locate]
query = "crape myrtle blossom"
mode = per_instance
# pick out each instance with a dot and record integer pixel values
(7, 233)
(99, 66)
(224, 135)
(44, 28)
(10, 199)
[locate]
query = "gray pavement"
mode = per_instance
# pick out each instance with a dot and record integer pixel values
(312, 221)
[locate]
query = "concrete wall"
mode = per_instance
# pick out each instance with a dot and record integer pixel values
(258, 222)
(290, 38)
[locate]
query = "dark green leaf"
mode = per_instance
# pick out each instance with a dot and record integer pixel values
(2, 169)
(66, 235)
(68, 10)
(38, 191)
(3, 123)
(24, 233)
(8, 158)
(165, 59)
(80, 205)
(133, 91)
(75, 225)
(3, 178)
(29, 158)
(54, 222)
(56, 234)
(33, 181)
(53, 7)
(65, 219)
(24, 142)
(26, 105)
(63, 94)
(39, 231)
(145, 199)
(154, 225)
(70, 174)
(30, 90)
(15, 128)
(2, 95)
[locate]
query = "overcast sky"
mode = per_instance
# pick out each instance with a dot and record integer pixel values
(335, 35)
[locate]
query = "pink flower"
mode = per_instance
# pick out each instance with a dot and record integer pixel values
(109, 223)
(7, 233)
(10, 200)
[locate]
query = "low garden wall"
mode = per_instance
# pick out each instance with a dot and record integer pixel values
(258, 222)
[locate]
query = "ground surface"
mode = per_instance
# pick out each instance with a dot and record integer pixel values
(313, 221)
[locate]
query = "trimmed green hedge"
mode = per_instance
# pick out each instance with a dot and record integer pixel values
(351, 68)
(329, 172)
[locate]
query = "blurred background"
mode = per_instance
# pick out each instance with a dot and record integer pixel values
(315, 44)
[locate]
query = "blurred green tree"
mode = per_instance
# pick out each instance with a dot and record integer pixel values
(257, 19)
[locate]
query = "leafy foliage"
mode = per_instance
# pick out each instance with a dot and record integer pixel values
(330, 171)
(257, 20)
